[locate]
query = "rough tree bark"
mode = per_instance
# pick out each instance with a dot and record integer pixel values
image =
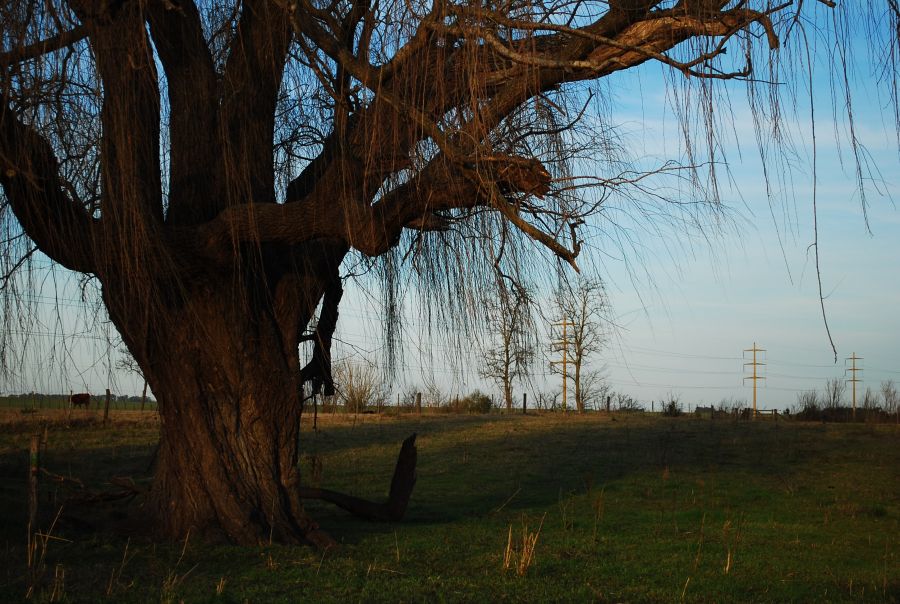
(227, 389)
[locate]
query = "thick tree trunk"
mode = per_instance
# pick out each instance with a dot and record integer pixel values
(226, 385)
(226, 374)
(227, 463)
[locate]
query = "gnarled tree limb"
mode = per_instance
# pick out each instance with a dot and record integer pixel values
(250, 89)
(130, 116)
(195, 181)
(29, 174)
(374, 229)
(318, 370)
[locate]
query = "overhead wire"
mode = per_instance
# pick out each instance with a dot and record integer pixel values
(373, 345)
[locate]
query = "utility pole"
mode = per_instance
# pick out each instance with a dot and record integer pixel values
(853, 379)
(755, 377)
(564, 343)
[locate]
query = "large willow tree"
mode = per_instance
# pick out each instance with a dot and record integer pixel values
(214, 164)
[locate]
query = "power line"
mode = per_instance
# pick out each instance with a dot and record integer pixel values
(804, 365)
(680, 355)
(795, 377)
(351, 338)
(654, 368)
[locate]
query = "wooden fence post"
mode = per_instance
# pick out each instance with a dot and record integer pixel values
(144, 396)
(524, 403)
(315, 398)
(34, 466)
(419, 403)
(106, 407)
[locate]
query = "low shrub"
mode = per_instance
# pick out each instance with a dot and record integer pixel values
(842, 414)
(474, 402)
(672, 409)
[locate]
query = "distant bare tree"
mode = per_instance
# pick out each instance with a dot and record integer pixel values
(434, 396)
(597, 389)
(808, 399)
(583, 305)
(127, 363)
(358, 385)
(731, 404)
(626, 402)
(890, 398)
(548, 399)
(512, 324)
(870, 400)
(834, 392)
(671, 405)
(594, 389)
(408, 395)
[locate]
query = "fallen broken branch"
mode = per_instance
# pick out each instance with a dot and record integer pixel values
(401, 489)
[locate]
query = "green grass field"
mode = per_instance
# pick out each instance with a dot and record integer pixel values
(636, 508)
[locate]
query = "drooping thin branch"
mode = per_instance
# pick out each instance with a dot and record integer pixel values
(815, 209)
(4, 279)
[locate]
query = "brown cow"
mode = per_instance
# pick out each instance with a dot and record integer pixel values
(81, 399)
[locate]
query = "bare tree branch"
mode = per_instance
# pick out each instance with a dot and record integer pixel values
(38, 49)
(29, 174)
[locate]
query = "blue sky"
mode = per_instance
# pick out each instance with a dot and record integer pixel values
(756, 281)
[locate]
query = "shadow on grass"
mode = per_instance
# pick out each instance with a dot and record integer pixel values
(470, 467)
(478, 467)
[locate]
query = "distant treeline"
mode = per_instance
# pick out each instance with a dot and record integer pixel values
(38, 400)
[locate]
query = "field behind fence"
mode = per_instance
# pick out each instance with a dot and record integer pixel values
(29, 403)
(624, 508)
